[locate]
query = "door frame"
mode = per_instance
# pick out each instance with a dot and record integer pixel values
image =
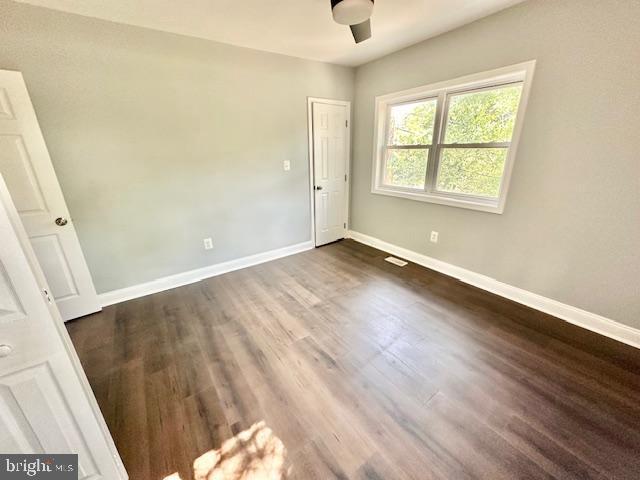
(347, 193)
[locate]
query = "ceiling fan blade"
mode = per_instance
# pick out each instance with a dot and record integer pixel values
(361, 31)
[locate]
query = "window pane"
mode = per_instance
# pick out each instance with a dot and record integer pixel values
(474, 171)
(406, 167)
(484, 116)
(412, 123)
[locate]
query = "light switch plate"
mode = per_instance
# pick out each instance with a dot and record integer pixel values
(286, 165)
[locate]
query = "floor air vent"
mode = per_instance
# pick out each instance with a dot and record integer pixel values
(396, 261)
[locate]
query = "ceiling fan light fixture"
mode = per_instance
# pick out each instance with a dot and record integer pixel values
(351, 12)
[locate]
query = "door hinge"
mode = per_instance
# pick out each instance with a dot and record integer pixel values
(46, 295)
(345, 177)
(345, 225)
(346, 123)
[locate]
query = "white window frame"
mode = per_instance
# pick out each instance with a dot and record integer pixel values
(442, 91)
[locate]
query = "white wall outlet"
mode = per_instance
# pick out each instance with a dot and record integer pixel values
(434, 237)
(208, 243)
(286, 165)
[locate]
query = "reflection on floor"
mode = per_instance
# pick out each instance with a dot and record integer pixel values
(253, 454)
(364, 370)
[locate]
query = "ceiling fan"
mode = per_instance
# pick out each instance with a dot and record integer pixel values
(356, 14)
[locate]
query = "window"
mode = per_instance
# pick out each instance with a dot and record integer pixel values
(452, 143)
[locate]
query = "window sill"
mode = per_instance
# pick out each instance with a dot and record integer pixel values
(490, 206)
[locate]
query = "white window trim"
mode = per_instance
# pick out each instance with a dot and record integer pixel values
(521, 72)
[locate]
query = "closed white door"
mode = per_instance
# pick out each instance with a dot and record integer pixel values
(26, 167)
(46, 404)
(330, 153)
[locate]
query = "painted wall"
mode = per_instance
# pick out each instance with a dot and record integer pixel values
(571, 228)
(161, 140)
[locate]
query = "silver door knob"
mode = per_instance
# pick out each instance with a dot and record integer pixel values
(5, 350)
(319, 187)
(61, 222)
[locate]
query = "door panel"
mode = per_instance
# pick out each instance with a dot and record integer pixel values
(32, 182)
(10, 307)
(44, 420)
(54, 265)
(329, 131)
(6, 111)
(17, 170)
(46, 404)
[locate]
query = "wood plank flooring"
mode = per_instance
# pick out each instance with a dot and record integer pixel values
(364, 370)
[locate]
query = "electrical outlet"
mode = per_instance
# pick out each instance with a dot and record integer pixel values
(434, 237)
(286, 165)
(208, 243)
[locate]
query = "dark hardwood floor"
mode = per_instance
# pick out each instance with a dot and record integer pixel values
(363, 370)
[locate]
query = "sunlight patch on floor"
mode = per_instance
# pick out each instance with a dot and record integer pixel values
(253, 454)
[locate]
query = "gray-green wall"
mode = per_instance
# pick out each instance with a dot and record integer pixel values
(161, 140)
(571, 228)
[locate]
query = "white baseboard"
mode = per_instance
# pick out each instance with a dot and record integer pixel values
(582, 318)
(192, 276)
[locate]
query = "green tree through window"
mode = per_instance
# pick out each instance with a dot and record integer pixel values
(410, 124)
(483, 119)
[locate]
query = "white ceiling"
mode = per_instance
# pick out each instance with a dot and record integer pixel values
(300, 28)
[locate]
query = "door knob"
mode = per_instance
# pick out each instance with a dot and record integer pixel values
(61, 222)
(5, 350)
(319, 187)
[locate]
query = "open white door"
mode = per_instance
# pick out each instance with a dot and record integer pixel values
(27, 170)
(330, 154)
(46, 404)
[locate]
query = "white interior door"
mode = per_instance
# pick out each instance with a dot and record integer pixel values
(28, 172)
(46, 404)
(330, 153)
